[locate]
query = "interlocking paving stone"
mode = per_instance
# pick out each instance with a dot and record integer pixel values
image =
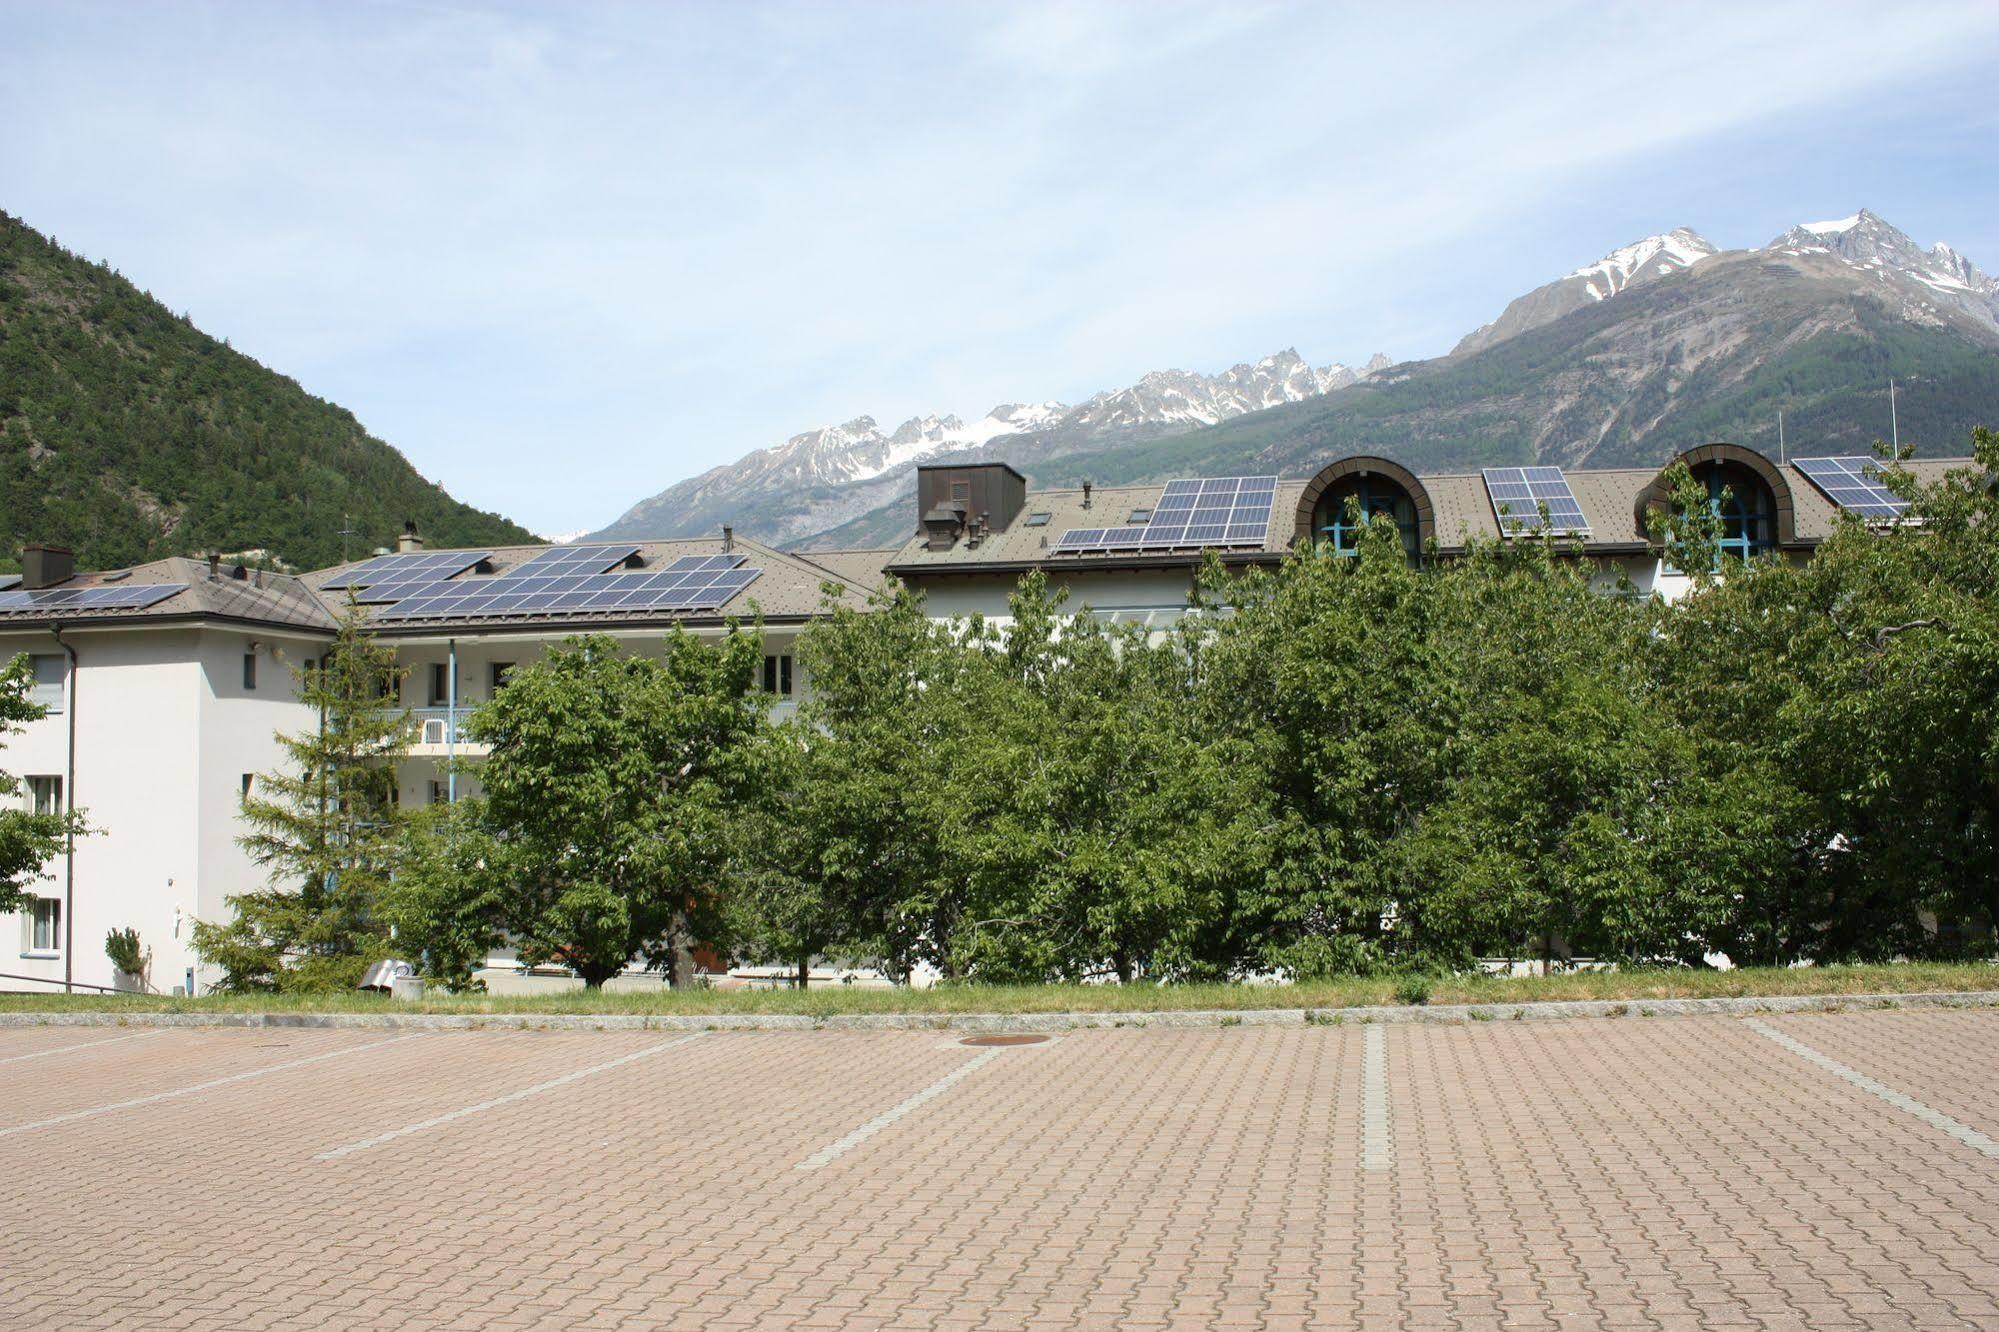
(1601, 1172)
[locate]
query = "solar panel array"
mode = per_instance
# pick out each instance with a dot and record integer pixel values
(1210, 511)
(136, 596)
(1517, 494)
(1853, 482)
(575, 560)
(694, 583)
(413, 567)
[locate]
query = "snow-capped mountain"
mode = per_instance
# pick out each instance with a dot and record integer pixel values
(1642, 261)
(819, 479)
(1940, 275)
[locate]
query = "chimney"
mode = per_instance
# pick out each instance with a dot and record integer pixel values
(214, 566)
(728, 537)
(1086, 494)
(46, 566)
(409, 540)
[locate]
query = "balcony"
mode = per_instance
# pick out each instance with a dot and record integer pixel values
(435, 735)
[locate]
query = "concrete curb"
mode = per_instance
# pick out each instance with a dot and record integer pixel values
(1546, 1011)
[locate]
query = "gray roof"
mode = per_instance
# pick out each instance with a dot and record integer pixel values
(235, 593)
(862, 568)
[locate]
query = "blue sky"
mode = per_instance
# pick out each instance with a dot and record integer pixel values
(564, 255)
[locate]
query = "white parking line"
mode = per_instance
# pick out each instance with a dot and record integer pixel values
(200, 1086)
(828, 1154)
(1377, 1146)
(87, 1045)
(1936, 1119)
(508, 1099)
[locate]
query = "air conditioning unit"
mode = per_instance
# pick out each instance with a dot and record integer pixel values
(434, 731)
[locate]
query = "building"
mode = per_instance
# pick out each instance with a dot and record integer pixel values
(168, 682)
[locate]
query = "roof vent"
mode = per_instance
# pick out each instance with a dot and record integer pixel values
(1086, 494)
(214, 566)
(728, 537)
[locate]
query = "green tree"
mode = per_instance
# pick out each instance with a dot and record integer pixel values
(610, 789)
(326, 829)
(1119, 839)
(1326, 675)
(445, 904)
(28, 840)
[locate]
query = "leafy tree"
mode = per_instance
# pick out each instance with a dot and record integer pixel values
(610, 789)
(445, 904)
(1326, 674)
(325, 827)
(879, 736)
(28, 841)
(1120, 838)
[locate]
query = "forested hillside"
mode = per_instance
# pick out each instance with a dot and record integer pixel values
(128, 433)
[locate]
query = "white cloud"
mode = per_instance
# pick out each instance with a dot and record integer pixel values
(658, 238)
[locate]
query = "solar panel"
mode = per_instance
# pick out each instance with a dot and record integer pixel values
(407, 566)
(130, 597)
(675, 588)
(698, 563)
(9, 580)
(1853, 482)
(1517, 494)
(1205, 511)
(574, 559)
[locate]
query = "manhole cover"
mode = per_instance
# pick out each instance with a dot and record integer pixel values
(1003, 1040)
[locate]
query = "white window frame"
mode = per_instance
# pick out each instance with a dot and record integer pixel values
(34, 914)
(51, 682)
(44, 793)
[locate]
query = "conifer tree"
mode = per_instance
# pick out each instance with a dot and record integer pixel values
(326, 827)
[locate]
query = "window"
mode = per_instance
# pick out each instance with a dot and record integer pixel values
(777, 674)
(43, 928)
(45, 795)
(1376, 496)
(48, 687)
(249, 670)
(1139, 516)
(440, 684)
(961, 490)
(1038, 519)
(1745, 506)
(501, 670)
(438, 793)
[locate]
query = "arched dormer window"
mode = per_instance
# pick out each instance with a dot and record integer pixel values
(1744, 503)
(1334, 526)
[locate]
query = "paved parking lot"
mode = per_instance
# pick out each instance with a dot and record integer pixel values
(1824, 1170)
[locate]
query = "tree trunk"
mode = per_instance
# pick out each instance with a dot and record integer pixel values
(679, 953)
(804, 970)
(1122, 961)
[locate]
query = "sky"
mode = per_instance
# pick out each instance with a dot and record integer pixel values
(564, 255)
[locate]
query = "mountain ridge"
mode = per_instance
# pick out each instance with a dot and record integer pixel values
(1681, 343)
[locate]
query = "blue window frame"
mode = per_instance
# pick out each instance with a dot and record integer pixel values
(1377, 495)
(1746, 508)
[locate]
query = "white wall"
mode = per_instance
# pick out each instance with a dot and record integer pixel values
(164, 733)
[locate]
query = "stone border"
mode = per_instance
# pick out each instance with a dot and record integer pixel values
(1542, 1011)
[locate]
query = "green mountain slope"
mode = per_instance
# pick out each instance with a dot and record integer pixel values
(128, 434)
